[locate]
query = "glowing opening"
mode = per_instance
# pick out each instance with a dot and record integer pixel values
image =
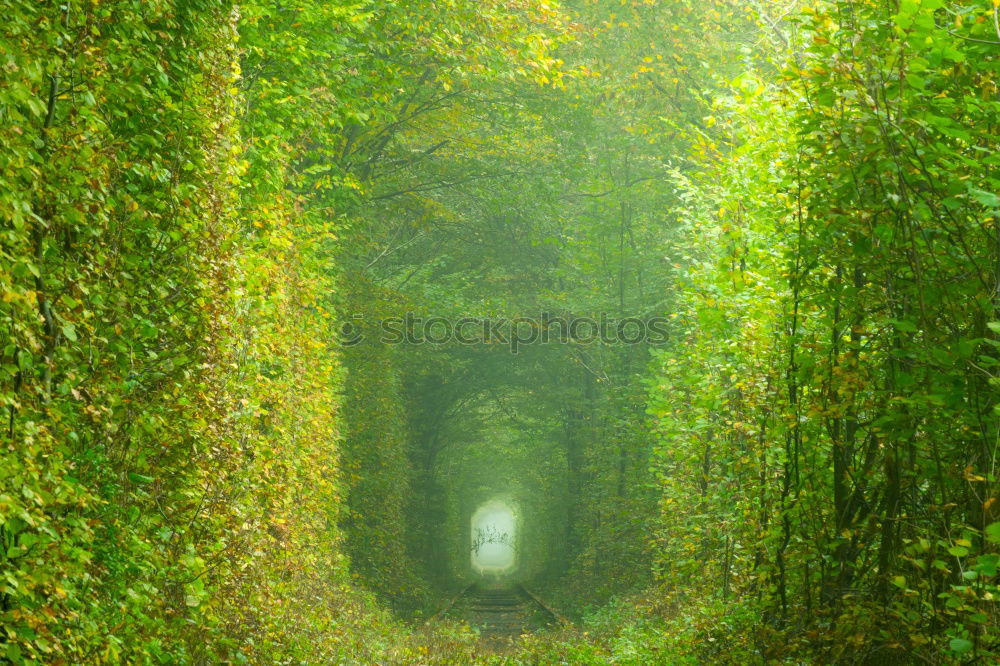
(494, 538)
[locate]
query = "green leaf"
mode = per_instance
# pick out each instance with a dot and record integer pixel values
(958, 551)
(915, 81)
(986, 565)
(30, 267)
(992, 532)
(987, 199)
(960, 645)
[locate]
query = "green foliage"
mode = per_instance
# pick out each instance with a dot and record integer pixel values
(194, 194)
(833, 409)
(114, 177)
(167, 485)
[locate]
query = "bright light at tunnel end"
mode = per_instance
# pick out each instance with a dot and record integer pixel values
(493, 539)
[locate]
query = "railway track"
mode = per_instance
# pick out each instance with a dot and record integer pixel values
(501, 611)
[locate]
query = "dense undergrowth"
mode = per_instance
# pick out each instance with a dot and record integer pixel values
(196, 196)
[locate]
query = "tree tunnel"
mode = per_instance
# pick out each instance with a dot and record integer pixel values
(474, 467)
(435, 431)
(503, 496)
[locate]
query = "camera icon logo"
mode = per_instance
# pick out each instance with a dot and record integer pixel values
(349, 331)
